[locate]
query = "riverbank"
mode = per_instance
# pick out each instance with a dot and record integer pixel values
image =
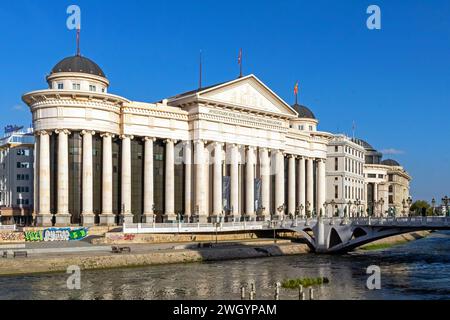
(395, 241)
(94, 261)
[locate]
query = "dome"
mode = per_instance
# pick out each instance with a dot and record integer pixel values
(78, 64)
(391, 163)
(303, 112)
(363, 143)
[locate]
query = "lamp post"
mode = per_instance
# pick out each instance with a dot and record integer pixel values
(404, 207)
(445, 201)
(349, 209)
(325, 204)
(333, 204)
(301, 207)
(433, 205)
(381, 207)
(409, 202)
(308, 212)
(357, 204)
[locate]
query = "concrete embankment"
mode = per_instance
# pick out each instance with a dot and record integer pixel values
(93, 261)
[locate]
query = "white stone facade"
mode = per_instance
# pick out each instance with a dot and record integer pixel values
(232, 151)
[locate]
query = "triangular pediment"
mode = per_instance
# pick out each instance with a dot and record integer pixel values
(248, 92)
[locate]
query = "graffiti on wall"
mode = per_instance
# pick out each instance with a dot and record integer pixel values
(121, 237)
(12, 236)
(56, 234)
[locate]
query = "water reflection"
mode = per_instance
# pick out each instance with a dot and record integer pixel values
(418, 270)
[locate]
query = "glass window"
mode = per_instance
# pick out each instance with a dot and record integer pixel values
(76, 86)
(92, 88)
(60, 86)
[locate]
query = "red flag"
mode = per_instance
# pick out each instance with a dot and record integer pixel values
(296, 89)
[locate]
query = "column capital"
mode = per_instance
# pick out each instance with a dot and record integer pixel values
(65, 131)
(107, 135)
(87, 132)
(170, 141)
(218, 144)
(290, 156)
(200, 141)
(250, 148)
(149, 139)
(126, 136)
(43, 133)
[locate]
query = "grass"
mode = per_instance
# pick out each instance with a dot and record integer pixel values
(305, 282)
(381, 246)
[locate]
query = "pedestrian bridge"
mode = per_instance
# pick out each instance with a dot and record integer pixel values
(324, 235)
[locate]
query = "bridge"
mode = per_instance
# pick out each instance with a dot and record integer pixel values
(324, 235)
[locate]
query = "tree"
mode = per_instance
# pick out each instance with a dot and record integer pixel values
(418, 206)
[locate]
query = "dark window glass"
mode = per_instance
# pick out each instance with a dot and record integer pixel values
(137, 179)
(159, 150)
(75, 170)
(97, 161)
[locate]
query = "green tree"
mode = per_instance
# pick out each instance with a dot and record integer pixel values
(418, 206)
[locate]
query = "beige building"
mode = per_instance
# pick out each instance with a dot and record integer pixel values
(230, 151)
(386, 184)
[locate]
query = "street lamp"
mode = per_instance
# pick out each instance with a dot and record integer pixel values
(409, 202)
(308, 212)
(349, 209)
(445, 201)
(381, 207)
(358, 204)
(333, 204)
(325, 204)
(404, 207)
(433, 205)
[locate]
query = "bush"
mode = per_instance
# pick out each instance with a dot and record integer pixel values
(306, 282)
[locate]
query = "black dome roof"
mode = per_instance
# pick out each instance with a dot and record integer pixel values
(391, 163)
(303, 112)
(363, 143)
(78, 64)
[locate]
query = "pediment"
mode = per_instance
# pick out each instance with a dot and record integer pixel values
(248, 92)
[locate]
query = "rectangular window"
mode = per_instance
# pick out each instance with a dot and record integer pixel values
(76, 86)
(391, 177)
(391, 199)
(310, 128)
(92, 88)
(301, 128)
(336, 148)
(336, 192)
(371, 175)
(60, 86)
(336, 164)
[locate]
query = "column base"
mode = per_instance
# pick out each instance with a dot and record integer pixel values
(128, 218)
(63, 220)
(107, 219)
(44, 220)
(170, 217)
(232, 218)
(88, 220)
(149, 218)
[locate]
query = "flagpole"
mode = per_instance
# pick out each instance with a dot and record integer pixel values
(78, 41)
(201, 70)
(240, 63)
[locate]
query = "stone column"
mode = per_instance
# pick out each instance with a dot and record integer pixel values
(291, 186)
(169, 214)
(234, 183)
(200, 183)
(310, 184)
(301, 195)
(218, 177)
(279, 182)
(63, 217)
(321, 186)
(187, 154)
(88, 182)
(149, 215)
(107, 216)
(250, 184)
(45, 217)
(126, 179)
(265, 181)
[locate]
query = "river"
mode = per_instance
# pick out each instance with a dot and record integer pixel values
(417, 270)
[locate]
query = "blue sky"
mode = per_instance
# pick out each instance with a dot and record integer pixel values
(394, 82)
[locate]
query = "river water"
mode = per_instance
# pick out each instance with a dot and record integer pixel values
(417, 270)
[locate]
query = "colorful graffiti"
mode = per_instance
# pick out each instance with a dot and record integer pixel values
(12, 236)
(56, 234)
(121, 237)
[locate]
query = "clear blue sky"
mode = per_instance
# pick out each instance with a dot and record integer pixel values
(394, 83)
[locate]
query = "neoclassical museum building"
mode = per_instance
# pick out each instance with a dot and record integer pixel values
(231, 151)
